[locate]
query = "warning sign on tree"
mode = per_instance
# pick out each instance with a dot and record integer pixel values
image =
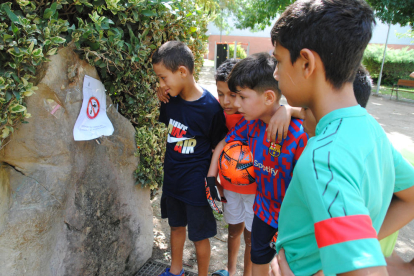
(92, 121)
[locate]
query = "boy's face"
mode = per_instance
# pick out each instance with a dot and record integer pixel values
(250, 103)
(226, 97)
(309, 123)
(288, 77)
(171, 82)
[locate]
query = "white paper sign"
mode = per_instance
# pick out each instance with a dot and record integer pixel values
(92, 121)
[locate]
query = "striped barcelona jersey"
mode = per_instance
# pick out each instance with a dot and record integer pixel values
(273, 163)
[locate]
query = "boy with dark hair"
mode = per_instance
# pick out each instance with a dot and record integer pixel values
(237, 199)
(344, 181)
(362, 90)
(196, 124)
(258, 100)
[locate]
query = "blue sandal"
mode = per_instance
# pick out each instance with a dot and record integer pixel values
(221, 272)
(168, 273)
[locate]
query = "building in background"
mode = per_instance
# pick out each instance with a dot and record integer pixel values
(261, 42)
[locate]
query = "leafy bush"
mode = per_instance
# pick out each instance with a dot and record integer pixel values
(25, 41)
(240, 52)
(398, 63)
(118, 37)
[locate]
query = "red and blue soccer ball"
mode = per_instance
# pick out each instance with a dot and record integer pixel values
(236, 164)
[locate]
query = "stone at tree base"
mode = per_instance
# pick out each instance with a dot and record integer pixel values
(66, 207)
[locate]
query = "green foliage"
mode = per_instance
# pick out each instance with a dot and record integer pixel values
(258, 14)
(151, 152)
(118, 37)
(26, 39)
(398, 63)
(253, 14)
(409, 34)
(222, 22)
(240, 52)
(394, 11)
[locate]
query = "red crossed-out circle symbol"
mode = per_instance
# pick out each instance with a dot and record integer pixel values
(93, 108)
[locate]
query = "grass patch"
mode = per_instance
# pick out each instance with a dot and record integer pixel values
(386, 90)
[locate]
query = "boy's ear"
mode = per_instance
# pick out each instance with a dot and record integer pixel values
(308, 58)
(183, 71)
(270, 97)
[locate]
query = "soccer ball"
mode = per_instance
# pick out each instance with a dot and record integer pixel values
(236, 164)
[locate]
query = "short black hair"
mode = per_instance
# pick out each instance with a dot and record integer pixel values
(362, 86)
(174, 54)
(254, 72)
(338, 30)
(223, 71)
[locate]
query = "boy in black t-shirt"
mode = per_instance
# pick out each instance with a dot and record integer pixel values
(196, 124)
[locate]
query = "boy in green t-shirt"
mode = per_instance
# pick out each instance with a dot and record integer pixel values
(338, 198)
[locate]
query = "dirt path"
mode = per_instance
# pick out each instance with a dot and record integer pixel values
(397, 119)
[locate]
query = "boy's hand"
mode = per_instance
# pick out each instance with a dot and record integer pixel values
(162, 95)
(283, 266)
(221, 192)
(278, 126)
(212, 193)
(274, 268)
(211, 184)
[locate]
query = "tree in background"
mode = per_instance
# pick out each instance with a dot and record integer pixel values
(394, 11)
(258, 14)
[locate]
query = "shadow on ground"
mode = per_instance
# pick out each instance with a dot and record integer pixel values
(397, 119)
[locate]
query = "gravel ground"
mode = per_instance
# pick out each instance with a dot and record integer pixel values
(397, 119)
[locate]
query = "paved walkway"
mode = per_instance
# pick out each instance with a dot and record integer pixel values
(397, 119)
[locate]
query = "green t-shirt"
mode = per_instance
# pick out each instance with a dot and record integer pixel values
(341, 188)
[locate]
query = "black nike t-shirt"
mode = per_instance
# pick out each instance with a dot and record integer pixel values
(194, 129)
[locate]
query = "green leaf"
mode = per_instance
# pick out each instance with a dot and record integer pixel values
(17, 95)
(15, 77)
(47, 14)
(30, 49)
(9, 95)
(50, 11)
(25, 83)
(37, 52)
(58, 39)
(149, 13)
(7, 37)
(15, 29)
(54, 6)
(193, 29)
(11, 15)
(5, 133)
(51, 52)
(16, 108)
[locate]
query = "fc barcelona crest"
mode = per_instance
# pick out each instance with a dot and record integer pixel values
(274, 149)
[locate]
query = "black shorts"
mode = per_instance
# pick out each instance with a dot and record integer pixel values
(262, 234)
(200, 219)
